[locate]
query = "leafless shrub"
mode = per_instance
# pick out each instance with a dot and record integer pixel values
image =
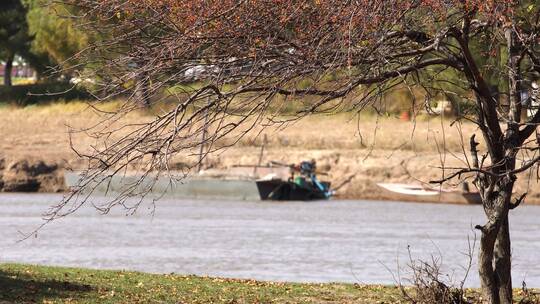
(429, 282)
(529, 296)
(429, 285)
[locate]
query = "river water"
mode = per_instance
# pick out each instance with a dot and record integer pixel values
(343, 241)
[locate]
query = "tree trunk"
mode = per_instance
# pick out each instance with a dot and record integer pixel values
(494, 257)
(142, 90)
(8, 70)
(488, 281)
(503, 263)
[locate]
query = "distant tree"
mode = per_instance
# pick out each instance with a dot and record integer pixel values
(14, 38)
(56, 39)
(247, 53)
(40, 32)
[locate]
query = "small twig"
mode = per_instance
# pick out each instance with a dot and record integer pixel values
(474, 151)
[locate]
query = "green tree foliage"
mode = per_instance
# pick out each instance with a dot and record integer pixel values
(14, 38)
(55, 36)
(38, 31)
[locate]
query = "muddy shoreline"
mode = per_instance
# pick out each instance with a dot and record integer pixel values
(33, 174)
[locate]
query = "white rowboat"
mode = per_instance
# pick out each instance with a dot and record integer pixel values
(419, 193)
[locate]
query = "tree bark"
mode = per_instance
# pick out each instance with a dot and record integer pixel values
(142, 90)
(494, 257)
(488, 280)
(8, 70)
(503, 264)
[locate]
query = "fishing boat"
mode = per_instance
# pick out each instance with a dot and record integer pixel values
(420, 193)
(304, 186)
(287, 190)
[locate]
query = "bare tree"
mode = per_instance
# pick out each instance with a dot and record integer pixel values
(249, 57)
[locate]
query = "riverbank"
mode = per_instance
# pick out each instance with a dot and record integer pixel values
(35, 149)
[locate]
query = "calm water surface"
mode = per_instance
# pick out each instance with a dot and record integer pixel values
(345, 241)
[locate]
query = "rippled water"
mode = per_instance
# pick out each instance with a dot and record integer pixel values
(345, 241)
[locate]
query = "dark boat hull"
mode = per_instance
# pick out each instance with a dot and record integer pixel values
(287, 191)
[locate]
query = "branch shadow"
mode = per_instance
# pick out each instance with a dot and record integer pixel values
(18, 287)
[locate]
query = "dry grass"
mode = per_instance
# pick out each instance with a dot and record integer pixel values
(345, 131)
(44, 129)
(40, 130)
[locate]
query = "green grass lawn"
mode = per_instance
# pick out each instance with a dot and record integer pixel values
(37, 284)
